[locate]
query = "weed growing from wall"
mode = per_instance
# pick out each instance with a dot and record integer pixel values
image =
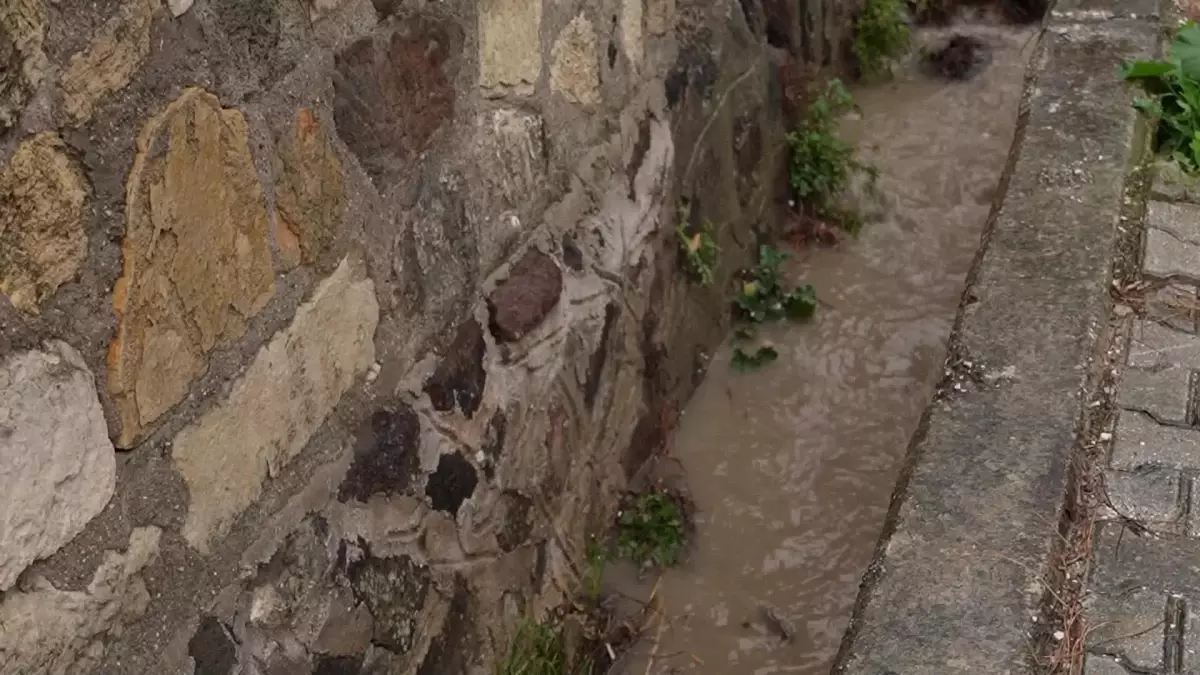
(540, 648)
(1173, 97)
(822, 164)
(651, 530)
(881, 35)
(698, 248)
(764, 297)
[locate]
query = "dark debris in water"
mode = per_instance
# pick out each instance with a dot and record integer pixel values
(961, 58)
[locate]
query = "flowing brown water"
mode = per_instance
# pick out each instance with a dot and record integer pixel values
(792, 467)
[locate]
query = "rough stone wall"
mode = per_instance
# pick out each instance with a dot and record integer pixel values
(330, 328)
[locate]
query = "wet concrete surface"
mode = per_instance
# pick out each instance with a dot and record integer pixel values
(792, 467)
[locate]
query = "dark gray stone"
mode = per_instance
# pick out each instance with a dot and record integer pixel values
(387, 456)
(459, 378)
(394, 590)
(212, 649)
(956, 583)
(452, 484)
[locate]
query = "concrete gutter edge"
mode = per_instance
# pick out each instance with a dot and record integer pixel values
(956, 583)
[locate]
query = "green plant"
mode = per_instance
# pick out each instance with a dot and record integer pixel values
(1173, 96)
(881, 34)
(541, 649)
(699, 250)
(755, 358)
(651, 530)
(597, 558)
(822, 164)
(764, 297)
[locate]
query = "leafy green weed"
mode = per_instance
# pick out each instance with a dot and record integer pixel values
(1172, 89)
(700, 250)
(764, 297)
(881, 34)
(651, 530)
(822, 164)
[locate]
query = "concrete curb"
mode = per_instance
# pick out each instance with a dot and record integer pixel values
(956, 582)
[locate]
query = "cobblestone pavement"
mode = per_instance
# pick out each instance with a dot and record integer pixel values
(1143, 605)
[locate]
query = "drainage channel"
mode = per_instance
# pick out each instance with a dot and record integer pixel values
(791, 467)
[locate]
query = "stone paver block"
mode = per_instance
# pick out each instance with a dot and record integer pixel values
(1174, 305)
(1181, 221)
(1155, 346)
(1122, 560)
(1140, 442)
(1129, 625)
(1172, 240)
(1168, 256)
(1103, 665)
(1162, 393)
(1151, 497)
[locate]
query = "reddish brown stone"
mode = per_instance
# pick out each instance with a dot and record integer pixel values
(391, 95)
(523, 300)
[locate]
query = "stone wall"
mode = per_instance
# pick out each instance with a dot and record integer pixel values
(330, 328)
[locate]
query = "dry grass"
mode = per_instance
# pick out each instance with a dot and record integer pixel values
(1061, 643)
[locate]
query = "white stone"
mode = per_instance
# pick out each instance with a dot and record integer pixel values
(281, 400)
(57, 465)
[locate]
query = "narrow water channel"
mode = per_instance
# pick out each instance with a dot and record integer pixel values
(792, 467)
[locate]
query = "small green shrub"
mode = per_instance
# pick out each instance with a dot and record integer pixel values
(763, 297)
(700, 251)
(541, 649)
(881, 34)
(822, 164)
(651, 530)
(1172, 91)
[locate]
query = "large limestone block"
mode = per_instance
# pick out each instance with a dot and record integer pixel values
(196, 258)
(282, 399)
(57, 467)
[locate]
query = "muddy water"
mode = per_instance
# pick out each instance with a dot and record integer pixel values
(792, 467)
